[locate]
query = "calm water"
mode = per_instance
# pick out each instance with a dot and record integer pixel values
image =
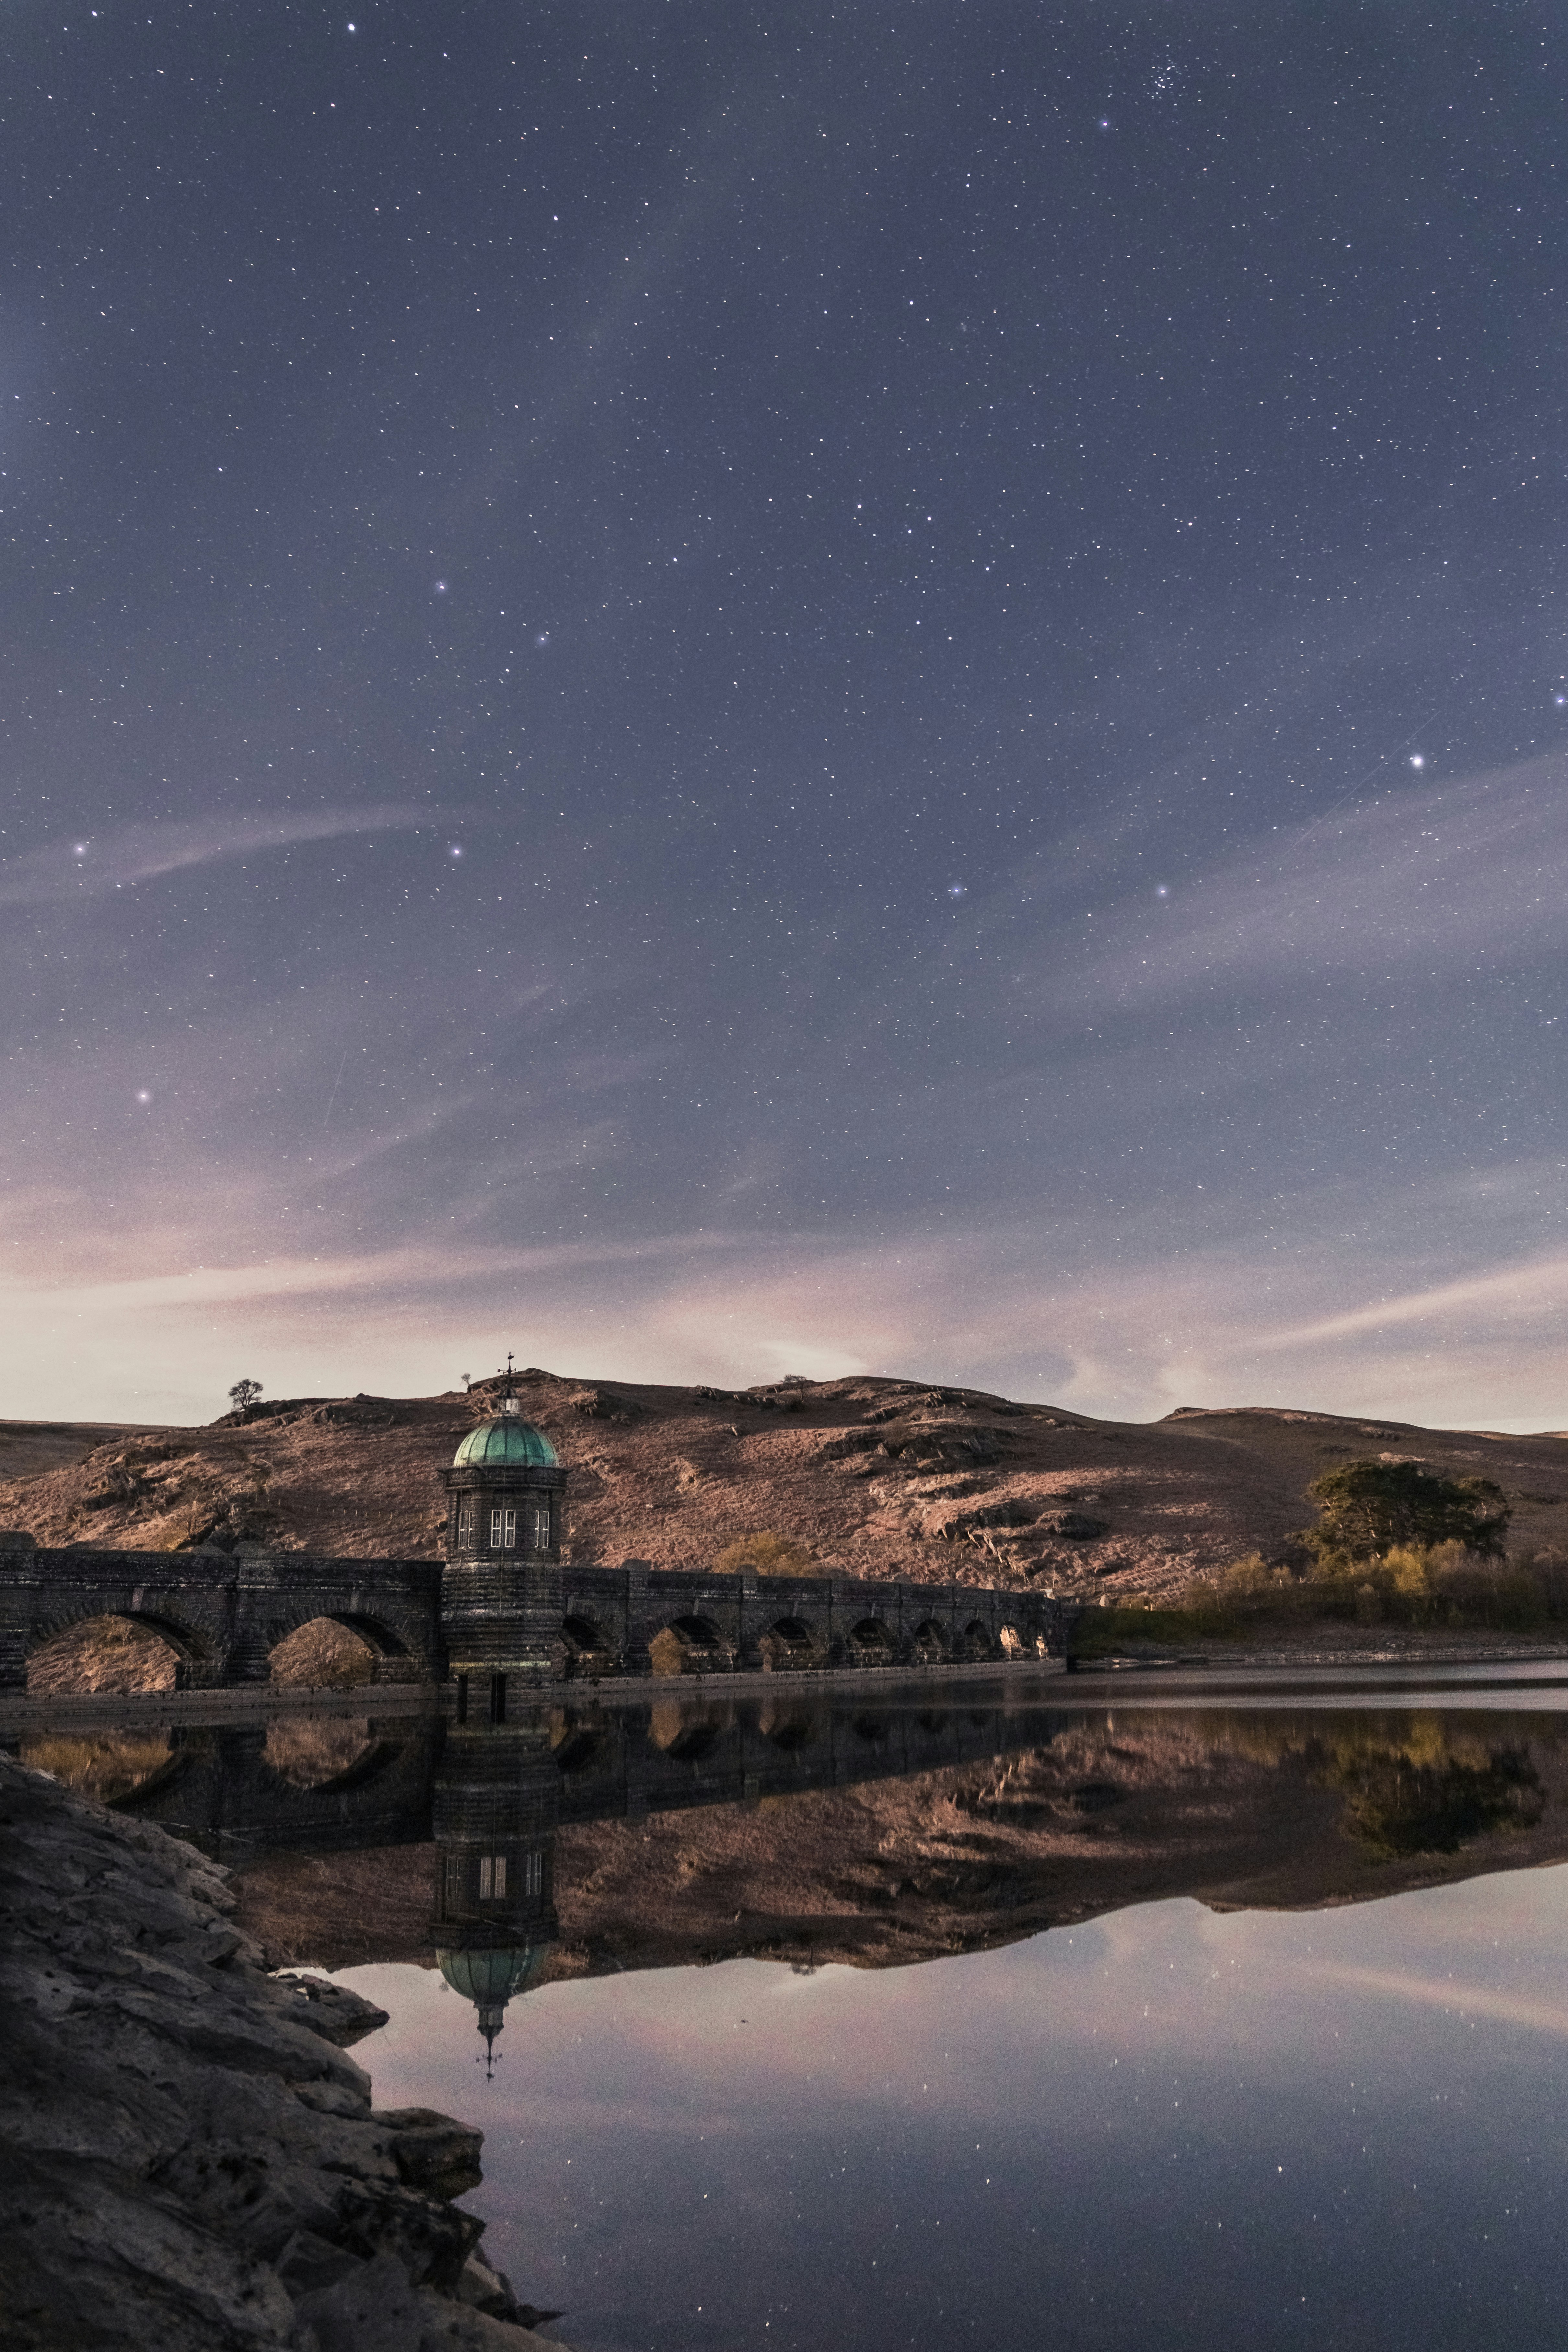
(1165, 2126)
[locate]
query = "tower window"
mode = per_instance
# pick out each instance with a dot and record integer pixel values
(465, 1523)
(492, 1877)
(503, 1530)
(538, 1527)
(454, 1880)
(533, 1874)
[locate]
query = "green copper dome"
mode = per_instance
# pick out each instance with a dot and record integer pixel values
(489, 1976)
(495, 1444)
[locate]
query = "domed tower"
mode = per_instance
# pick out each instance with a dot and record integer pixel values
(500, 1587)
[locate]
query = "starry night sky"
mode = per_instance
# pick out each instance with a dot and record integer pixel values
(714, 691)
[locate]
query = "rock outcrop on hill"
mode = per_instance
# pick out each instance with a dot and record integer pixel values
(189, 2161)
(872, 1477)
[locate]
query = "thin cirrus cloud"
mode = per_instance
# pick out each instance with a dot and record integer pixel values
(1433, 876)
(89, 864)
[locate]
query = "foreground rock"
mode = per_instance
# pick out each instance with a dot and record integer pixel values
(189, 2161)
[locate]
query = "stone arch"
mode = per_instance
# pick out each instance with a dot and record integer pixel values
(690, 1644)
(975, 1640)
(335, 1649)
(930, 1642)
(869, 1643)
(1013, 1642)
(114, 1651)
(788, 1641)
(587, 1646)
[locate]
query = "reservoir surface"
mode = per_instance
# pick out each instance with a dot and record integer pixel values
(1104, 2013)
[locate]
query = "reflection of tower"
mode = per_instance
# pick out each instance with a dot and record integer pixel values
(500, 1587)
(497, 1803)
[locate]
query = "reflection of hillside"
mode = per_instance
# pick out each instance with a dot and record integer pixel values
(1236, 1810)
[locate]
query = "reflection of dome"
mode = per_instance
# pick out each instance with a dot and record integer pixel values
(497, 1444)
(488, 1977)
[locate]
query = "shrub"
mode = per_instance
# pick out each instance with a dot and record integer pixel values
(1441, 1584)
(769, 1553)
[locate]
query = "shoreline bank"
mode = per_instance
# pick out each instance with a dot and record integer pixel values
(190, 2161)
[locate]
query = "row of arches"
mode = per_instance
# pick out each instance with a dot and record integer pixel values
(120, 1655)
(695, 1645)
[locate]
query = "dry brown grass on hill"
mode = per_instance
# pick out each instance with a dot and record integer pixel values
(867, 1476)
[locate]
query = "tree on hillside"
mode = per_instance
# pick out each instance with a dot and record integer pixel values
(1368, 1507)
(244, 1394)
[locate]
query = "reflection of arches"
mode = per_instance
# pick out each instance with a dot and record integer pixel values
(869, 1643)
(682, 1732)
(788, 1642)
(872, 1728)
(574, 1744)
(930, 1643)
(785, 1728)
(118, 1768)
(116, 1652)
(326, 1754)
(688, 1645)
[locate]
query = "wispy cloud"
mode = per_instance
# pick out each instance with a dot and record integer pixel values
(1471, 871)
(1452, 1998)
(87, 865)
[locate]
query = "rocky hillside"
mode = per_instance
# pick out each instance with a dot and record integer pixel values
(875, 1477)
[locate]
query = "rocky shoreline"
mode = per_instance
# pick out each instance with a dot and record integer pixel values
(189, 2159)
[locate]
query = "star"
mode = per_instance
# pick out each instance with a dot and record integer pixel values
(1417, 761)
